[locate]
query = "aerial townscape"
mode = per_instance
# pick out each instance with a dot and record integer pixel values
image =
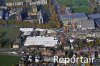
(49, 32)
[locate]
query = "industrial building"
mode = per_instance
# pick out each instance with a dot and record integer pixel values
(43, 37)
(86, 24)
(38, 40)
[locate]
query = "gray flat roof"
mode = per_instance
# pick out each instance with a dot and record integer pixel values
(94, 16)
(76, 15)
(89, 24)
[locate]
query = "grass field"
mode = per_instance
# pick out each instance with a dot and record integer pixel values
(73, 2)
(8, 34)
(6, 60)
(76, 5)
(85, 9)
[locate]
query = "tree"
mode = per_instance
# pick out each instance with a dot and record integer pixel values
(0, 44)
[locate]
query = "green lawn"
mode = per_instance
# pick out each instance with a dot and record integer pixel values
(73, 2)
(85, 9)
(8, 34)
(77, 6)
(6, 60)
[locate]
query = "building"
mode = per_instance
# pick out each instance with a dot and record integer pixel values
(39, 37)
(47, 53)
(15, 46)
(41, 40)
(86, 24)
(42, 2)
(73, 17)
(97, 1)
(94, 16)
(2, 2)
(32, 10)
(28, 1)
(1, 14)
(48, 59)
(97, 21)
(20, 2)
(40, 17)
(14, 2)
(26, 31)
(96, 62)
(59, 53)
(40, 32)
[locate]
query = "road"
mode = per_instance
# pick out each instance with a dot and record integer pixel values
(10, 51)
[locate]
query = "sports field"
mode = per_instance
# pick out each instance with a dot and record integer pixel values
(73, 2)
(85, 9)
(77, 6)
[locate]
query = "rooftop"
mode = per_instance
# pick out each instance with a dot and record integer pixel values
(97, 0)
(26, 29)
(40, 40)
(89, 24)
(76, 15)
(10, 1)
(94, 16)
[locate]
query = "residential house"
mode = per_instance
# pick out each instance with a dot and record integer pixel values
(59, 53)
(32, 13)
(47, 53)
(66, 47)
(48, 59)
(32, 10)
(16, 44)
